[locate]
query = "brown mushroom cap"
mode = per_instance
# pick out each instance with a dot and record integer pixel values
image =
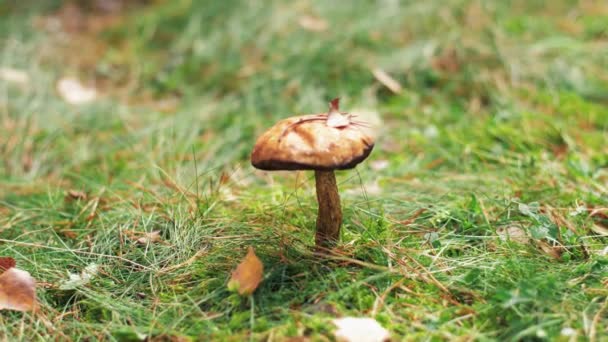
(307, 143)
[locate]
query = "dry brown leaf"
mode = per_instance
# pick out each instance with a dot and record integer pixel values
(314, 24)
(6, 263)
(77, 195)
(387, 80)
(74, 92)
(553, 251)
(68, 233)
(17, 290)
(150, 237)
(355, 329)
(248, 274)
(143, 238)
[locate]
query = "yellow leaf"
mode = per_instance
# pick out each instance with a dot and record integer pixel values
(17, 290)
(248, 275)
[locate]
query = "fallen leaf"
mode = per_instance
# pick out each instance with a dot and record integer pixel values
(17, 290)
(355, 329)
(150, 237)
(75, 280)
(143, 238)
(73, 92)
(16, 76)
(248, 274)
(314, 24)
(553, 251)
(387, 80)
(68, 233)
(77, 195)
(6, 263)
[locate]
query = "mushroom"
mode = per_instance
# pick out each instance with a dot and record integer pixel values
(319, 142)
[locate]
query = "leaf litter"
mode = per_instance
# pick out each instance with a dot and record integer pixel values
(17, 287)
(248, 274)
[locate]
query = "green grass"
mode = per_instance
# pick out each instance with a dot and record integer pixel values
(501, 127)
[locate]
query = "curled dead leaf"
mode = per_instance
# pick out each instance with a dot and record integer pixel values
(17, 290)
(360, 329)
(247, 275)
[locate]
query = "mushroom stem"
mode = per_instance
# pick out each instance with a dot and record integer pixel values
(329, 217)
